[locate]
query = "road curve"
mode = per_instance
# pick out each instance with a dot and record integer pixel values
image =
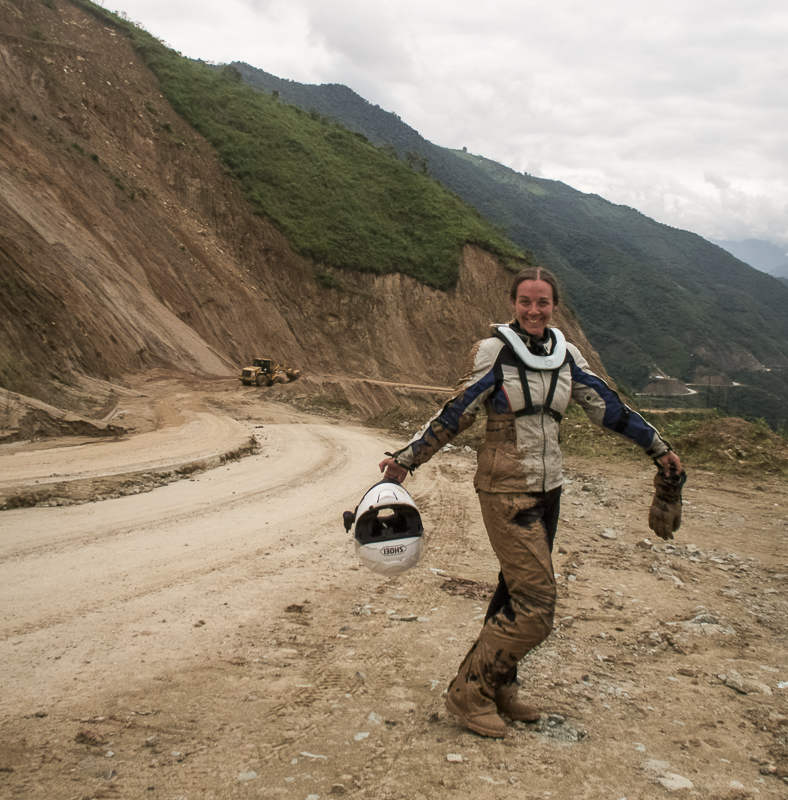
(76, 581)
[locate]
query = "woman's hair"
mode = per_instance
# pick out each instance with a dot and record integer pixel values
(535, 274)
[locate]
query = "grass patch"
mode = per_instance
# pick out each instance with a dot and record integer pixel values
(337, 198)
(329, 281)
(704, 439)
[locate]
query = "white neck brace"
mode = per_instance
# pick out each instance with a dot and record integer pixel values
(548, 362)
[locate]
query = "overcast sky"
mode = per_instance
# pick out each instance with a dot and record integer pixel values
(678, 108)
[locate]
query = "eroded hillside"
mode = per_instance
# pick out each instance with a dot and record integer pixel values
(125, 246)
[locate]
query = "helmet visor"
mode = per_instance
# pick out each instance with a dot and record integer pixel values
(387, 523)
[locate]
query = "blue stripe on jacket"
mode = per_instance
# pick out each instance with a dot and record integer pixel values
(452, 412)
(618, 417)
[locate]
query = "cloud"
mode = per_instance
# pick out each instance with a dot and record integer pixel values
(716, 180)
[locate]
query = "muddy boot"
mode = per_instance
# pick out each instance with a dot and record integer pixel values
(509, 703)
(483, 722)
(469, 700)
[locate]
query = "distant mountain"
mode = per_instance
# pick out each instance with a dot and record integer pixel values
(647, 294)
(765, 256)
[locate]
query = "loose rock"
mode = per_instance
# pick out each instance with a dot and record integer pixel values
(674, 782)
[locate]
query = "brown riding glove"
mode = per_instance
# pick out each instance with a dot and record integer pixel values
(664, 516)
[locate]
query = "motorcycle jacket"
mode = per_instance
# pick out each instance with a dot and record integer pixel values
(524, 405)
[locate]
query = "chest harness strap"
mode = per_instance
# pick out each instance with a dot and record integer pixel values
(525, 358)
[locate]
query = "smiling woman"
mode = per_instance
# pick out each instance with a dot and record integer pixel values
(533, 302)
(524, 376)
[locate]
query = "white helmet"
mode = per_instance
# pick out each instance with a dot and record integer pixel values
(389, 534)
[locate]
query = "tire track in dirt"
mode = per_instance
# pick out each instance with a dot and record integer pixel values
(137, 539)
(171, 548)
(384, 665)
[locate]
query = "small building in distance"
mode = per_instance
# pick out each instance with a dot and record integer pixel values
(666, 387)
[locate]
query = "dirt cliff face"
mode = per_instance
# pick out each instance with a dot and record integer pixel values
(125, 247)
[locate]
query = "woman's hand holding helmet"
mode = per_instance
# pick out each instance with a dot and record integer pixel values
(392, 471)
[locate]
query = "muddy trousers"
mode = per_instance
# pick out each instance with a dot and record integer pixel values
(521, 528)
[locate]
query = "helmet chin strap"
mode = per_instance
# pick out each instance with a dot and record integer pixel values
(548, 362)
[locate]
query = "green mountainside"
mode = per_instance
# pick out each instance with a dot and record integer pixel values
(338, 198)
(648, 295)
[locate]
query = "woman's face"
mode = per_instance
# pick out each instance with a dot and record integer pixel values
(533, 306)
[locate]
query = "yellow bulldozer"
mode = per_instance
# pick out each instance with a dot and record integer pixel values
(264, 372)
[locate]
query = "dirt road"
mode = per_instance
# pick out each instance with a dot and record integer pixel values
(215, 638)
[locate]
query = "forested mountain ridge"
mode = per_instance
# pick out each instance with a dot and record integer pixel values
(650, 297)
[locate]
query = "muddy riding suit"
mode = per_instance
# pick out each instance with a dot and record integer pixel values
(518, 481)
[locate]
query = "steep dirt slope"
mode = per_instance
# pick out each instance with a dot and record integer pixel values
(124, 246)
